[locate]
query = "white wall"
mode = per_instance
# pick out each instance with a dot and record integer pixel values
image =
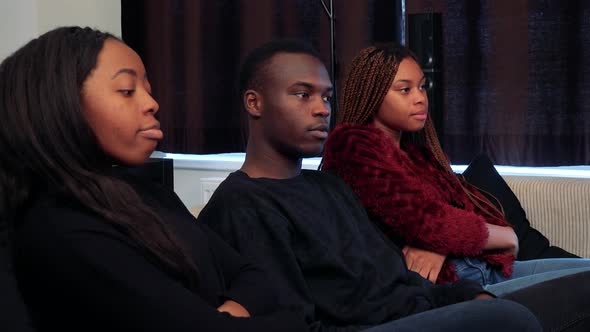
(18, 24)
(23, 20)
(195, 186)
(197, 176)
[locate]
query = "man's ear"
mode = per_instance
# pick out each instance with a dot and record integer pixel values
(253, 103)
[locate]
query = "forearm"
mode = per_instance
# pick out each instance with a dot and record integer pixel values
(421, 219)
(451, 231)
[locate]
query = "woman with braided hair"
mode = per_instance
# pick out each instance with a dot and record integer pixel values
(385, 147)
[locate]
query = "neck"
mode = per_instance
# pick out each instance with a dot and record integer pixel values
(267, 163)
(395, 135)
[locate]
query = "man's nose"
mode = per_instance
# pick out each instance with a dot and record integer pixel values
(323, 108)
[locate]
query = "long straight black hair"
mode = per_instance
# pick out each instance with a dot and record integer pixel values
(46, 142)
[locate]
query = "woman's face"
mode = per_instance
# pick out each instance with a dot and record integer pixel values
(117, 102)
(405, 107)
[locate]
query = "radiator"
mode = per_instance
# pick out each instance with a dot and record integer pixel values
(558, 207)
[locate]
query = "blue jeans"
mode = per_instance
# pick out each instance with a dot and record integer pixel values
(560, 304)
(477, 315)
(525, 273)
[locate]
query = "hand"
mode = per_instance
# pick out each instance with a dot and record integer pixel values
(233, 308)
(513, 250)
(502, 238)
(483, 296)
(427, 263)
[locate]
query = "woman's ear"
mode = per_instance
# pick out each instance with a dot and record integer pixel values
(253, 103)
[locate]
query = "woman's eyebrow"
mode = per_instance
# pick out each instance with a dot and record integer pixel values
(125, 71)
(409, 81)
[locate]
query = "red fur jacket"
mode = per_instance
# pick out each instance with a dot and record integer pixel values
(411, 196)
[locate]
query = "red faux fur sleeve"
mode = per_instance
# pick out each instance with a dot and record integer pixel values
(412, 206)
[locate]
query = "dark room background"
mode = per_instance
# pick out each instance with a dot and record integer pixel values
(513, 72)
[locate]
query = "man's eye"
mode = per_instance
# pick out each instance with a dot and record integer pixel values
(304, 95)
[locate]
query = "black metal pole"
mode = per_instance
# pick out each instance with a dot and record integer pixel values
(334, 104)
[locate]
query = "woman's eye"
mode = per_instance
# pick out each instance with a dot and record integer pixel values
(404, 90)
(327, 99)
(126, 92)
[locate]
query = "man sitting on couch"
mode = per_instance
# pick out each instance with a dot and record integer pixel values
(314, 237)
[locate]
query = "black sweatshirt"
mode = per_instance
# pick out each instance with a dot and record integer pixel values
(77, 272)
(314, 237)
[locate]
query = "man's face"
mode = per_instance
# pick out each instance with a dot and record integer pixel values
(295, 108)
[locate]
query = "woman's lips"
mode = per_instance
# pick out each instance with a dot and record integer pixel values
(152, 133)
(420, 116)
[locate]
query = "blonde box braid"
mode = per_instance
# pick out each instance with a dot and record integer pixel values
(369, 78)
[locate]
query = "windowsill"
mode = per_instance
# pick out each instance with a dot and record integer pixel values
(219, 162)
(233, 161)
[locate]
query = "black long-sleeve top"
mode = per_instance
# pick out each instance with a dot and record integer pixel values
(77, 272)
(314, 237)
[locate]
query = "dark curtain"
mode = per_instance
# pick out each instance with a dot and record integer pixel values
(515, 80)
(192, 50)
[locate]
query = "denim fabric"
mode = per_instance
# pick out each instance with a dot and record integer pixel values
(477, 315)
(560, 304)
(476, 270)
(525, 273)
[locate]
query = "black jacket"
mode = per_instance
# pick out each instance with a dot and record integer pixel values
(77, 272)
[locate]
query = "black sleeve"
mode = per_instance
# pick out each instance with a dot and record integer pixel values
(456, 292)
(264, 237)
(105, 283)
(246, 283)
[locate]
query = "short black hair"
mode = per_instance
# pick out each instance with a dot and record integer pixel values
(257, 60)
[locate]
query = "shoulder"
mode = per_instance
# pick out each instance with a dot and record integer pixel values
(330, 182)
(53, 225)
(234, 195)
(421, 154)
(350, 141)
(237, 187)
(149, 190)
(348, 132)
(237, 180)
(322, 177)
(55, 213)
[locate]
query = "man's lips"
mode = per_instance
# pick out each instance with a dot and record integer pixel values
(319, 131)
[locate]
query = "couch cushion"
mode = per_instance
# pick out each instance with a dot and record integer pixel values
(533, 245)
